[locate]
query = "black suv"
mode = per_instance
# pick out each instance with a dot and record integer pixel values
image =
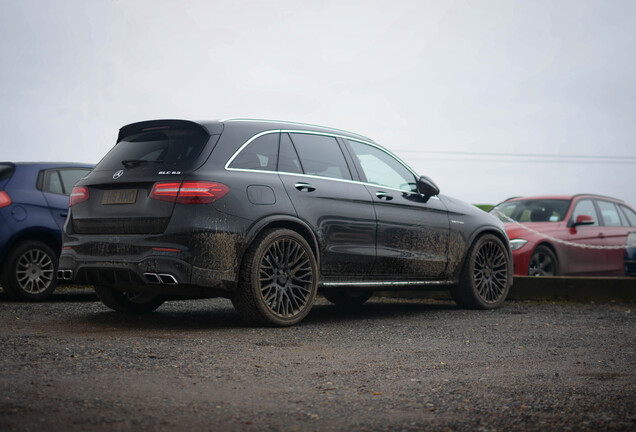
(266, 213)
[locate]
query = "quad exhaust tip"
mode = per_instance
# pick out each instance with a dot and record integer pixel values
(160, 278)
(65, 274)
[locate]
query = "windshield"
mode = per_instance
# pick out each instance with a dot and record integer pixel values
(532, 210)
(168, 148)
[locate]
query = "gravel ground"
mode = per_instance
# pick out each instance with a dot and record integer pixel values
(394, 365)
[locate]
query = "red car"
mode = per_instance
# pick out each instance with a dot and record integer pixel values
(549, 234)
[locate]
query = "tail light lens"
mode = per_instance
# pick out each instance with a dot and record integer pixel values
(189, 192)
(78, 195)
(5, 199)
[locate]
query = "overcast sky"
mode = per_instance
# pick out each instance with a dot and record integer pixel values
(488, 98)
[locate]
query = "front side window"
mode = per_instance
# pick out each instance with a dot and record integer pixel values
(629, 215)
(382, 169)
(585, 207)
(260, 154)
(320, 155)
(609, 213)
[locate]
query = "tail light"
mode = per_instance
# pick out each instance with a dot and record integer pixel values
(5, 199)
(189, 192)
(78, 195)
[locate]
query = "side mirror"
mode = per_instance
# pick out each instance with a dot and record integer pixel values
(427, 187)
(583, 220)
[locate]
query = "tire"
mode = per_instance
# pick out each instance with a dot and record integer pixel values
(347, 298)
(128, 302)
(543, 262)
(486, 276)
(30, 271)
(278, 279)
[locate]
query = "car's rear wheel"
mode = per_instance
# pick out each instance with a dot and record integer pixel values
(348, 298)
(543, 262)
(278, 279)
(486, 276)
(128, 302)
(29, 272)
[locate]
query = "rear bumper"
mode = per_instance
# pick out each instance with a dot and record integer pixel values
(153, 273)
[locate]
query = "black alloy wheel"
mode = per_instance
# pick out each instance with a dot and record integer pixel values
(279, 279)
(543, 262)
(486, 275)
(29, 272)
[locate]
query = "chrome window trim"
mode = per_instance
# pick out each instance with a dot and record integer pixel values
(271, 131)
(388, 283)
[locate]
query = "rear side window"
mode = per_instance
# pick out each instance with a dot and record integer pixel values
(321, 156)
(629, 215)
(61, 181)
(171, 147)
(609, 213)
(260, 154)
(288, 160)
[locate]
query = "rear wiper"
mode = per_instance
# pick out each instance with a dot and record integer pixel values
(129, 163)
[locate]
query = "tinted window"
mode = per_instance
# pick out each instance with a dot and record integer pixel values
(162, 148)
(70, 177)
(321, 155)
(383, 169)
(609, 213)
(629, 215)
(288, 158)
(52, 183)
(6, 171)
(260, 154)
(585, 207)
(533, 210)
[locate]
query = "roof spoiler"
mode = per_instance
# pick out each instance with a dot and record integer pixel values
(151, 125)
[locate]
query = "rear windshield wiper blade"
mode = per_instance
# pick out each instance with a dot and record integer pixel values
(129, 163)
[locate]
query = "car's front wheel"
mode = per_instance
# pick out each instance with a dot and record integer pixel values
(29, 272)
(278, 279)
(543, 262)
(486, 276)
(128, 302)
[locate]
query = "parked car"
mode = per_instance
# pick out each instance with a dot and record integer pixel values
(33, 208)
(630, 255)
(549, 234)
(266, 213)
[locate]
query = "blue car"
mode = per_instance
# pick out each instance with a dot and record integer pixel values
(630, 255)
(33, 208)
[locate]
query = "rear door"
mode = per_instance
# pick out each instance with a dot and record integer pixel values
(581, 260)
(615, 229)
(320, 185)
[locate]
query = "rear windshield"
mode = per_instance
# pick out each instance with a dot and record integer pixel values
(175, 148)
(6, 171)
(532, 210)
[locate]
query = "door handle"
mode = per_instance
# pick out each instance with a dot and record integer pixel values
(601, 235)
(304, 186)
(384, 196)
(64, 214)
